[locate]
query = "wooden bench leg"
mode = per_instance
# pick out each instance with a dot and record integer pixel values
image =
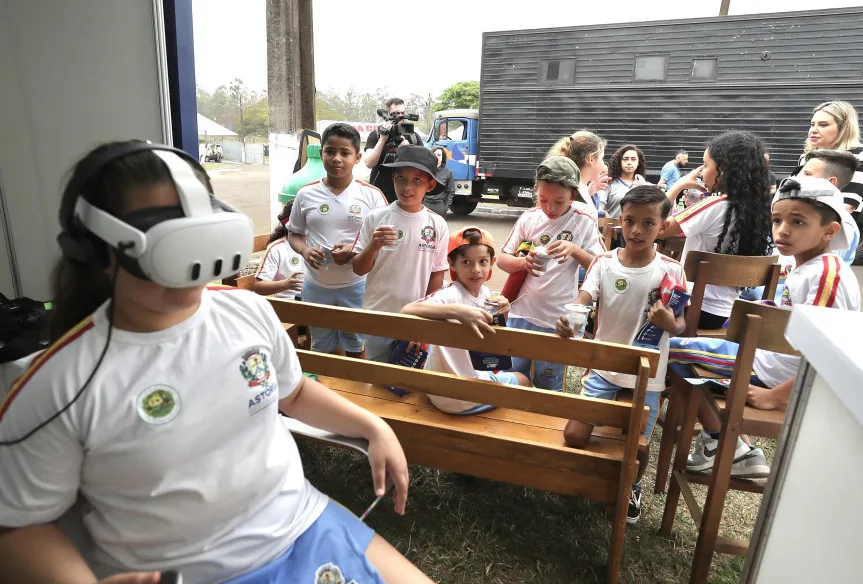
(714, 505)
(669, 438)
(690, 414)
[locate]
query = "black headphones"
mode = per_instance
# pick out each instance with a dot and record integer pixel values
(83, 248)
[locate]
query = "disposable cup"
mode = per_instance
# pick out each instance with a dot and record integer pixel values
(542, 258)
(328, 256)
(396, 229)
(577, 315)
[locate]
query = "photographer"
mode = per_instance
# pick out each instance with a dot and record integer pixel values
(396, 132)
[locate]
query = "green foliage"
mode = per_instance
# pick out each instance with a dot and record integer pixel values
(461, 95)
(354, 106)
(236, 107)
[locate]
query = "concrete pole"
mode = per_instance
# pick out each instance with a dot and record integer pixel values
(290, 87)
(723, 7)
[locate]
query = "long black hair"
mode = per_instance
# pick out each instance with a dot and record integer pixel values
(281, 229)
(744, 179)
(78, 289)
(615, 166)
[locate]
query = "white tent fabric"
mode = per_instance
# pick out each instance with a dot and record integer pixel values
(210, 128)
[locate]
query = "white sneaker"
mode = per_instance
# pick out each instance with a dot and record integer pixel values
(752, 465)
(702, 457)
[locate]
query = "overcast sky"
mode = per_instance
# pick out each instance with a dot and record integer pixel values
(433, 49)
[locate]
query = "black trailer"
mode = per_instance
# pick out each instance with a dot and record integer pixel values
(663, 86)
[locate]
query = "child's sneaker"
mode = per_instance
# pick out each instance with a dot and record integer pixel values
(702, 457)
(633, 513)
(753, 465)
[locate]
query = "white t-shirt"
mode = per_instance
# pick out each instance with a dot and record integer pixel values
(329, 219)
(454, 361)
(824, 280)
(702, 225)
(401, 275)
(280, 261)
(176, 444)
(625, 295)
(587, 206)
(546, 295)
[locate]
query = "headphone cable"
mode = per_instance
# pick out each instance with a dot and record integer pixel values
(122, 247)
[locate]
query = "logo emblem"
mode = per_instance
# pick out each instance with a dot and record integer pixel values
(401, 234)
(544, 239)
(428, 234)
(329, 574)
(158, 404)
(621, 285)
(295, 261)
(255, 368)
(564, 236)
(324, 208)
(653, 296)
(786, 297)
(355, 210)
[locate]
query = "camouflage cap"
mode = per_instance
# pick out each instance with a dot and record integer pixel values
(559, 169)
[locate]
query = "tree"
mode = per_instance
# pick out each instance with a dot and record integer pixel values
(464, 94)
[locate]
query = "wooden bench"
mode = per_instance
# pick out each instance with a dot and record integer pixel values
(521, 440)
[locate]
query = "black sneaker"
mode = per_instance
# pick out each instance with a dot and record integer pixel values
(633, 513)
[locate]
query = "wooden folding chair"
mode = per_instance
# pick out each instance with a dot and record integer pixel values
(704, 268)
(753, 326)
(606, 229)
(672, 246)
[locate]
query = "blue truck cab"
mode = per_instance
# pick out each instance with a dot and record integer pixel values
(457, 132)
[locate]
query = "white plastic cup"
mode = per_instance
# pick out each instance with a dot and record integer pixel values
(541, 257)
(396, 229)
(301, 276)
(328, 257)
(577, 315)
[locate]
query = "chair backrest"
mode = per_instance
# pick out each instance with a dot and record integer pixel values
(260, 242)
(705, 268)
(606, 229)
(774, 321)
(532, 345)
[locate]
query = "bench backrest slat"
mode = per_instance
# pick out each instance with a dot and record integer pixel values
(517, 343)
(538, 401)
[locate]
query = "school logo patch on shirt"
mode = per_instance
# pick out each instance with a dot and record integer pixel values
(621, 285)
(355, 210)
(295, 261)
(564, 236)
(428, 234)
(324, 208)
(544, 239)
(158, 404)
(255, 368)
(329, 574)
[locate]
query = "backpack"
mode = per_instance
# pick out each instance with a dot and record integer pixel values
(23, 327)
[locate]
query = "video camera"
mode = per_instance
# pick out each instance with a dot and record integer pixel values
(401, 124)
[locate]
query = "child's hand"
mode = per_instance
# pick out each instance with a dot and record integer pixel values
(502, 304)
(562, 250)
(563, 328)
(294, 282)
(382, 236)
(341, 254)
(600, 184)
(531, 264)
(662, 316)
(761, 398)
(476, 318)
(414, 347)
(690, 180)
(314, 257)
(387, 458)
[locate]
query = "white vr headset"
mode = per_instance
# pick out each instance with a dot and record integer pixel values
(176, 247)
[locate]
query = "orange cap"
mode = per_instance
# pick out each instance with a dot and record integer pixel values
(458, 239)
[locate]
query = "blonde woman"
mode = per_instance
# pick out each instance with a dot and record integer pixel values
(587, 150)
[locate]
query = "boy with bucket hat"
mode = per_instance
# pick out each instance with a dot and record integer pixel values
(402, 247)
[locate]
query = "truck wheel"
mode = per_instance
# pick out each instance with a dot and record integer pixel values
(463, 207)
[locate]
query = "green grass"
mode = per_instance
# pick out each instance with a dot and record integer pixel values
(462, 530)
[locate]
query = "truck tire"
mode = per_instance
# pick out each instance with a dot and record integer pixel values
(463, 207)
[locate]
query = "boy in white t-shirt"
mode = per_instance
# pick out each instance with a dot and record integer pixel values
(402, 247)
(328, 214)
(570, 237)
(626, 284)
(807, 224)
(280, 272)
(470, 254)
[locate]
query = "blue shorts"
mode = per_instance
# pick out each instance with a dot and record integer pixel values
(499, 377)
(380, 349)
(546, 375)
(325, 340)
(333, 550)
(594, 385)
(715, 355)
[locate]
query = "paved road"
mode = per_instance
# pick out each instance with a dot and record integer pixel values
(246, 187)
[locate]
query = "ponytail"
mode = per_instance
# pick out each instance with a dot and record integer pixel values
(281, 228)
(78, 292)
(578, 147)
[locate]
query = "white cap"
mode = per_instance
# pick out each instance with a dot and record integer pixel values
(822, 191)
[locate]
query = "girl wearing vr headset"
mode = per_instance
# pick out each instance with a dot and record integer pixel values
(159, 404)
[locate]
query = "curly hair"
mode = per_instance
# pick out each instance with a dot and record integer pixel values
(615, 165)
(281, 229)
(578, 147)
(744, 178)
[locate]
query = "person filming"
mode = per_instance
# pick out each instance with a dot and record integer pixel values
(397, 130)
